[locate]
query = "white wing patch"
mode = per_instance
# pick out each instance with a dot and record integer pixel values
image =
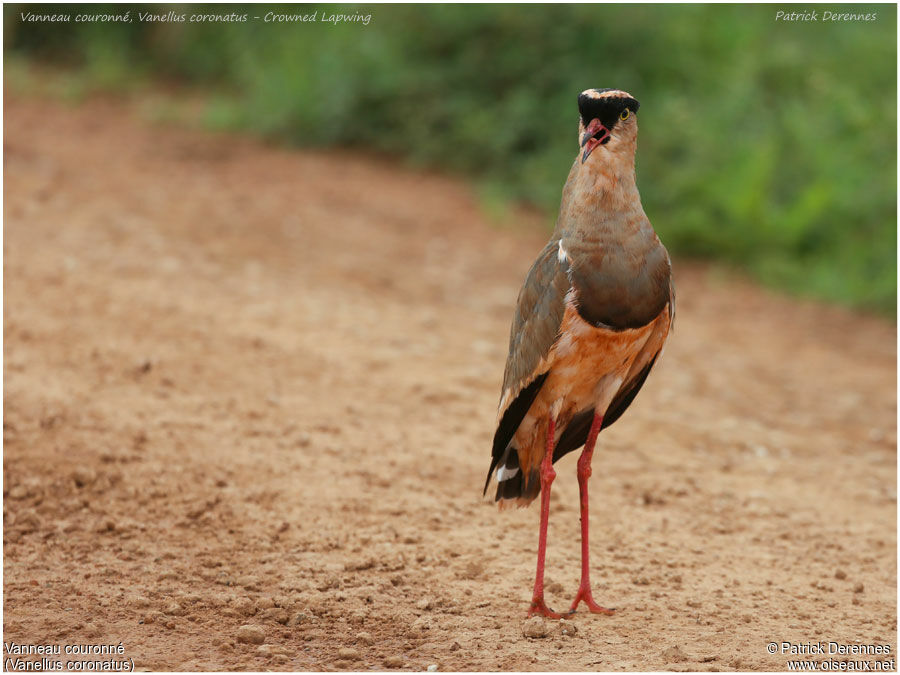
(505, 473)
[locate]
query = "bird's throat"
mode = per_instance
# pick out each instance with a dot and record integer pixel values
(610, 183)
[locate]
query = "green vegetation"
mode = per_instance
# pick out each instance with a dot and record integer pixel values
(769, 145)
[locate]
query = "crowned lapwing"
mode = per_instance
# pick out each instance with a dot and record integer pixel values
(591, 319)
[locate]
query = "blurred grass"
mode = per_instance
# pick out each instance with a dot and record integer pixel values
(768, 145)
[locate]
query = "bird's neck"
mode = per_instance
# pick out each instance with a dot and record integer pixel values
(600, 193)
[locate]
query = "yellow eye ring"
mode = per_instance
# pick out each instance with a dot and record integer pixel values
(624, 114)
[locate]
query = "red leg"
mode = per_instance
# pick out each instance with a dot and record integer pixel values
(538, 606)
(584, 472)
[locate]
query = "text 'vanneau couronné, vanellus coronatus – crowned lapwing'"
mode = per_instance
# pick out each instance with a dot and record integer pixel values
(591, 320)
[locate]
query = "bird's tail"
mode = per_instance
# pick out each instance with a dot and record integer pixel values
(512, 487)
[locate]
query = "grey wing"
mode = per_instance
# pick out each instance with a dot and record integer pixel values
(535, 328)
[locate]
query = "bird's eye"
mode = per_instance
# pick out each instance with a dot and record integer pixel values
(624, 114)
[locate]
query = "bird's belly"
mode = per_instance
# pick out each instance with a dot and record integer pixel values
(589, 365)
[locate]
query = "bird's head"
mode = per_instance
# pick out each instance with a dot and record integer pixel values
(608, 116)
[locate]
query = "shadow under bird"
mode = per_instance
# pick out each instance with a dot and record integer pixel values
(590, 322)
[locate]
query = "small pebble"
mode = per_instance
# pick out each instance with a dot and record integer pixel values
(364, 637)
(393, 661)
(275, 614)
(421, 624)
(83, 476)
(840, 574)
(535, 627)
(348, 653)
(859, 588)
(432, 668)
(299, 618)
(153, 616)
(567, 628)
(249, 634)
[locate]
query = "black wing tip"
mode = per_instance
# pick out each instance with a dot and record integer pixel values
(510, 488)
(514, 484)
(510, 422)
(487, 481)
(509, 460)
(518, 488)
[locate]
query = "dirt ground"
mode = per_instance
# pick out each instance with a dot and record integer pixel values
(248, 386)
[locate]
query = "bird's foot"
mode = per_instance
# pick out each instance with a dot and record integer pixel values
(584, 593)
(538, 606)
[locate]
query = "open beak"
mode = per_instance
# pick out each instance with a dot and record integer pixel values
(594, 134)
